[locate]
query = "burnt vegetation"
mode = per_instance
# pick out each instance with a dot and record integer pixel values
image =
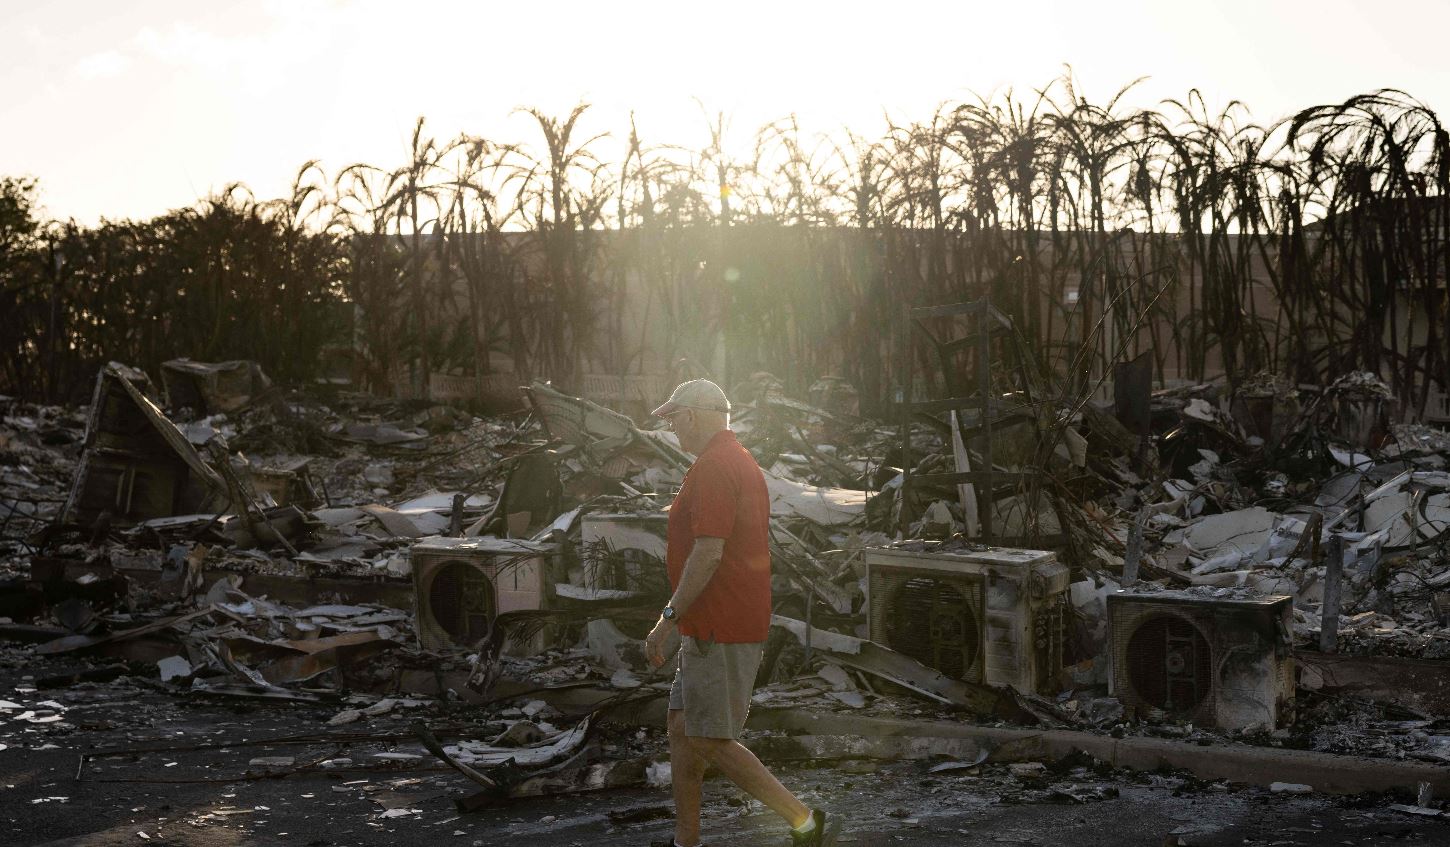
(1308, 247)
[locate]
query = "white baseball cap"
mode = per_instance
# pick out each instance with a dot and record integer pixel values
(695, 394)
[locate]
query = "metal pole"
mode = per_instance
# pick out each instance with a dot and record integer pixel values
(903, 398)
(1333, 579)
(986, 496)
(1134, 552)
(455, 518)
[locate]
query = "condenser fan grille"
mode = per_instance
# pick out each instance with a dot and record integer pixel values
(632, 569)
(931, 620)
(461, 600)
(1169, 664)
(629, 569)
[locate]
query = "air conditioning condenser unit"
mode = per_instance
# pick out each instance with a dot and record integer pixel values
(462, 584)
(1212, 661)
(978, 614)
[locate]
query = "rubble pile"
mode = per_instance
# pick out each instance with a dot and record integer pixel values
(38, 446)
(1245, 514)
(382, 563)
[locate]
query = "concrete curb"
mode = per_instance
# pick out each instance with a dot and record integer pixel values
(891, 738)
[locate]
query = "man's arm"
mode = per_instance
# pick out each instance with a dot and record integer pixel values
(700, 566)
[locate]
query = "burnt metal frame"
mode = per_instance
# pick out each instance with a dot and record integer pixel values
(974, 412)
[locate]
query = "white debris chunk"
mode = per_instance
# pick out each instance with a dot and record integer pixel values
(174, 667)
(657, 774)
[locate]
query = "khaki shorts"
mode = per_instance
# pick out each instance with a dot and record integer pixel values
(713, 686)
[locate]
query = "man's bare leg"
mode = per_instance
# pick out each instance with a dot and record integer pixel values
(687, 777)
(746, 771)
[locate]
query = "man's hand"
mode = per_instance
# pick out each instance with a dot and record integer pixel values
(657, 644)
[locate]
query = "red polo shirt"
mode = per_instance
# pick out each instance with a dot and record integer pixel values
(724, 496)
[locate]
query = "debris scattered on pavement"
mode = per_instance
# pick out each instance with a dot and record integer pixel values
(382, 565)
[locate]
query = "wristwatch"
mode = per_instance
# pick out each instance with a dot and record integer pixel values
(669, 614)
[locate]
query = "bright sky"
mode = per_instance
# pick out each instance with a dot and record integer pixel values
(127, 109)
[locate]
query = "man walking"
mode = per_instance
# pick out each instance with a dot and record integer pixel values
(718, 556)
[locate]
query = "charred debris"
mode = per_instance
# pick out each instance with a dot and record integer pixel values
(1248, 585)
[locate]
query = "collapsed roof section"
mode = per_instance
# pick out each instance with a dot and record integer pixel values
(136, 464)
